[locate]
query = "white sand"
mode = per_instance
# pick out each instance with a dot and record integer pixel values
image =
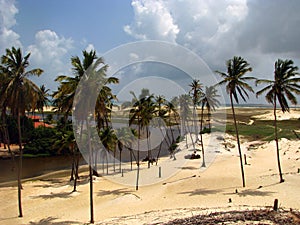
(183, 194)
(293, 114)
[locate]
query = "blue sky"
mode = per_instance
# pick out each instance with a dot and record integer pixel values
(54, 30)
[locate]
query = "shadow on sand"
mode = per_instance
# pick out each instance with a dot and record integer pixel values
(201, 192)
(120, 191)
(51, 221)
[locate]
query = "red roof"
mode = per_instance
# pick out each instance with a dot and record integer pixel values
(34, 117)
(37, 124)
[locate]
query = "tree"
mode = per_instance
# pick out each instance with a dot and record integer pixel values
(281, 89)
(196, 93)
(64, 96)
(43, 100)
(19, 92)
(236, 85)
(210, 101)
(109, 141)
(125, 136)
(67, 141)
(184, 103)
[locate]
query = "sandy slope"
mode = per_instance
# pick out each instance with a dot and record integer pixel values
(50, 201)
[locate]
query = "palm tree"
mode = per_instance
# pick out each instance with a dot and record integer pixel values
(19, 92)
(280, 89)
(125, 136)
(109, 141)
(210, 101)
(86, 71)
(67, 141)
(43, 100)
(236, 85)
(184, 103)
(196, 92)
(64, 96)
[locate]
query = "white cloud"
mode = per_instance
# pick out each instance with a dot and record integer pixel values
(89, 47)
(259, 31)
(152, 21)
(8, 37)
(51, 53)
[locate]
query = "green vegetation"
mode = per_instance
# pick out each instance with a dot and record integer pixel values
(264, 129)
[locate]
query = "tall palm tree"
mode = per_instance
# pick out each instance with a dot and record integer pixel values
(196, 92)
(184, 103)
(43, 100)
(285, 83)
(109, 141)
(67, 141)
(125, 137)
(64, 96)
(19, 92)
(210, 101)
(91, 70)
(235, 81)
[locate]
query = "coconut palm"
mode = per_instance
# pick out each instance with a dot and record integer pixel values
(236, 85)
(141, 114)
(109, 140)
(285, 83)
(125, 136)
(196, 93)
(19, 92)
(43, 100)
(67, 141)
(64, 96)
(210, 102)
(3, 104)
(184, 103)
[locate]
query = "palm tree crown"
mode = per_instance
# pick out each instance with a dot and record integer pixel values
(235, 79)
(283, 86)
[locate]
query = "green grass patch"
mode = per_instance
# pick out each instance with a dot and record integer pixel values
(26, 155)
(264, 129)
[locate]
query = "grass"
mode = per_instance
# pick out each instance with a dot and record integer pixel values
(26, 155)
(264, 129)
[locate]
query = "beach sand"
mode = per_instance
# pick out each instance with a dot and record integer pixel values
(186, 191)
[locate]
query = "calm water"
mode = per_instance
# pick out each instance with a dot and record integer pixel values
(34, 167)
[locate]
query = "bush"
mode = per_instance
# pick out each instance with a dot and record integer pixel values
(41, 141)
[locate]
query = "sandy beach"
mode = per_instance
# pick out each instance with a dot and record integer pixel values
(186, 190)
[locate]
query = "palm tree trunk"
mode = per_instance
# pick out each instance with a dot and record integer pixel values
(195, 123)
(201, 138)
(90, 174)
(138, 160)
(73, 168)
(209, 118)
(76, 173)
(276, 140)
(20, 167)
(6, 139)
(238, 141)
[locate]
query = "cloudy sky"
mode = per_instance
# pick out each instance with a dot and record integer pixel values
(54, 30)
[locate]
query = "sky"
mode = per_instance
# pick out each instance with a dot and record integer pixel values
(216, 30)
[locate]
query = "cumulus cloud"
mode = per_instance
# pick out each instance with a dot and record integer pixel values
(51, 53)
(153, 20)
(259, 31)
(8, 37)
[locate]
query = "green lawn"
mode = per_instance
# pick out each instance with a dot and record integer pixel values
(264, 129)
